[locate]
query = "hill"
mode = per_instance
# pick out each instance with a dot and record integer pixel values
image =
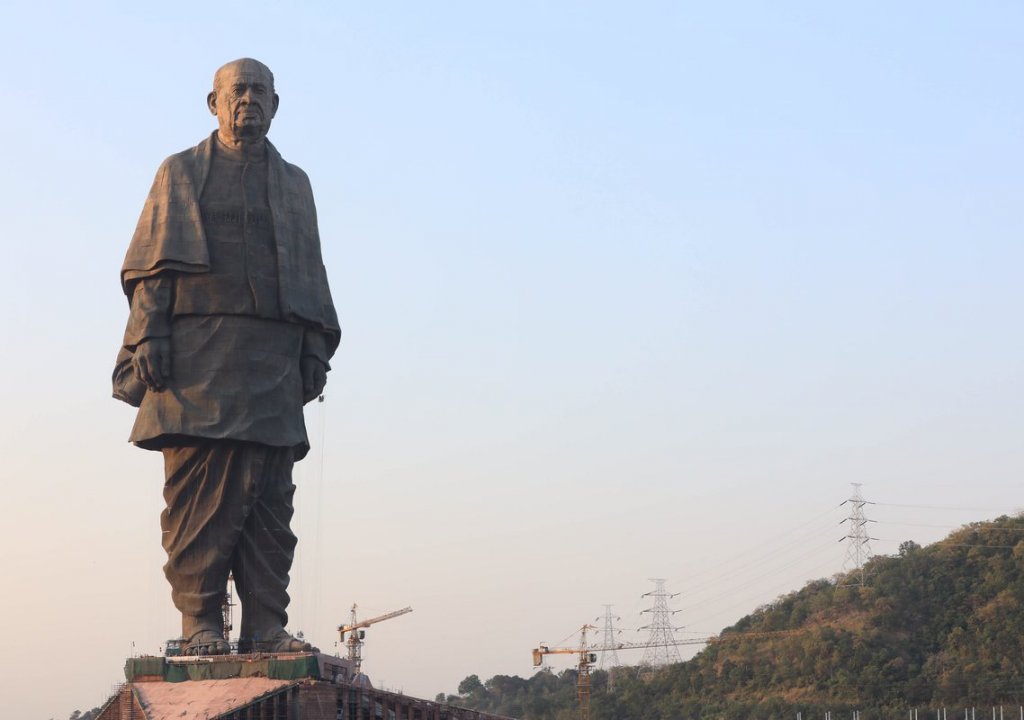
(933, 626)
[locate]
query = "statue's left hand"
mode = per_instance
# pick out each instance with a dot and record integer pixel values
(152, 362)
(314, 378)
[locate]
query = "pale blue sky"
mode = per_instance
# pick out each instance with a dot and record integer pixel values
(628, 291)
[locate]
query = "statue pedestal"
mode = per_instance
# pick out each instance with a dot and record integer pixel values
(284, 686)
(262, 686)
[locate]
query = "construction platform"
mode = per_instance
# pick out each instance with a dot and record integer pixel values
(262, 686)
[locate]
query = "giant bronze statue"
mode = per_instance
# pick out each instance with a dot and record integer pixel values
(230, 332)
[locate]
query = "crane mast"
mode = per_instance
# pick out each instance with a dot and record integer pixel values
(587, 658)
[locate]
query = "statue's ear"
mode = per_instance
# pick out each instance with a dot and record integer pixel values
(277, 101)
(211, 102)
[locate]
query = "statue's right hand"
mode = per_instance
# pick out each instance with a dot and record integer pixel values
(152, 362)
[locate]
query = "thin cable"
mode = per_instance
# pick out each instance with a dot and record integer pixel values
(721, 570)
(939, 507)
(749, 581)
(562, 641)
(318, 544)
(958, 528)
(720, 610)
(770, 569)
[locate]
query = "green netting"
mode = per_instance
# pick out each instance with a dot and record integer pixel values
(213, 670)
(294, 668)
(138, 667)
(176, 673)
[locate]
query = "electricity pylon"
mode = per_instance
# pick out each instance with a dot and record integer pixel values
(609, 657)
(662, 644)
(858, 548)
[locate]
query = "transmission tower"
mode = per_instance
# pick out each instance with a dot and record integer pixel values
(858, 547)
(662, 648)
(609, 641)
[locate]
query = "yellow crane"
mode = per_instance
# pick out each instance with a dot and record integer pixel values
(587, 658)
(588, 655)
(356, 634)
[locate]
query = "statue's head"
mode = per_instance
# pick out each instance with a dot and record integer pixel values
(244, 101)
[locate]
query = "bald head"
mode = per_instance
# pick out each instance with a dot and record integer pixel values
(244, 66)
(244, 101)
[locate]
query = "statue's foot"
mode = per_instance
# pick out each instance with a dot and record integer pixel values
(206, 642)
(275, 641)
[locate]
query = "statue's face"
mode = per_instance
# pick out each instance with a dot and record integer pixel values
(244, 102)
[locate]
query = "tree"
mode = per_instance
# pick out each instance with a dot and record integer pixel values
(470, 686)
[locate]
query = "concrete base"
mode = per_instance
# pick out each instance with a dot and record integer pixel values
(285, 686)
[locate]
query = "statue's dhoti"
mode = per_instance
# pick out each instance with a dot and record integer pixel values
(229, 508)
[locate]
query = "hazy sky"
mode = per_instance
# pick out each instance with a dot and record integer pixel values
(628, 290)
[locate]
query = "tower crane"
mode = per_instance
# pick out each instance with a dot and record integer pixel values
(588, 655)
(587, 658)
(356, 634)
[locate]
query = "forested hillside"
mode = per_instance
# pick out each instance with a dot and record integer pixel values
(941, 625)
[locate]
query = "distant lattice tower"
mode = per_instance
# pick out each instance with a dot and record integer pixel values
(858, 547)
(662, 648)
(609, 657)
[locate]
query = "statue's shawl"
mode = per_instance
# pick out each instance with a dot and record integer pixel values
(170, 237)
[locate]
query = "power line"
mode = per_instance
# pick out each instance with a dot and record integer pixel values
(792, 548)
(965, 528)
(770, 572)
(746, 601)
(938, 507)
(772, 548)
